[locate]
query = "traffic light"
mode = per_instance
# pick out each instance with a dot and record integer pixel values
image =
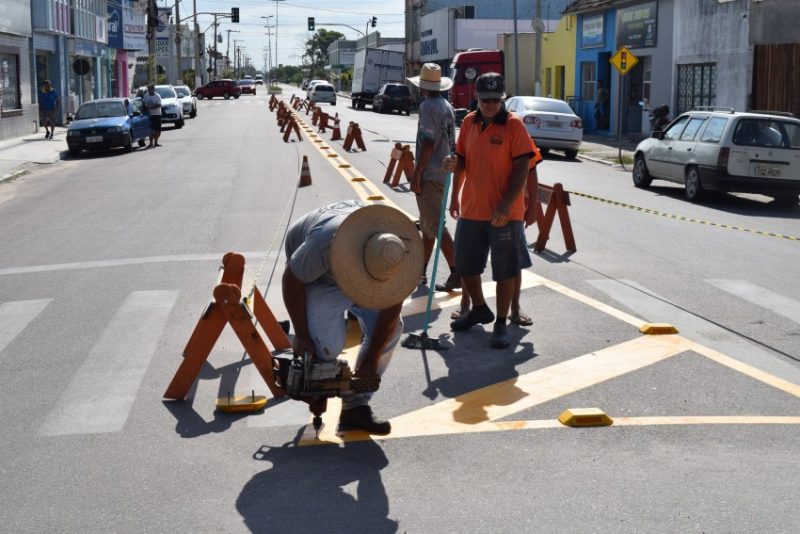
(374, 21)
(234, 14)
(311, 24)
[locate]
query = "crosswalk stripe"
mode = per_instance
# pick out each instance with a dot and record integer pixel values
(759, 296)
(100, 395)
(15, 316)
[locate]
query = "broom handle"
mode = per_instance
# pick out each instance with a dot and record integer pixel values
(437, 245)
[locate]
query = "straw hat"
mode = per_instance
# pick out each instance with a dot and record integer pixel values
(376, 256)
(430, 78)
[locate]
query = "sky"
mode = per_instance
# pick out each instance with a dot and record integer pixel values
(292, 21)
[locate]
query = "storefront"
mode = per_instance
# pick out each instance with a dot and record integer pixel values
(594, 83)
(18, 109)
(126, 35)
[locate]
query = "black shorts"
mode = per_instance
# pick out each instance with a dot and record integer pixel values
(474, 240)
(155, 122)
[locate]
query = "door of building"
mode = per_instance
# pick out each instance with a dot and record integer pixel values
(632, 106)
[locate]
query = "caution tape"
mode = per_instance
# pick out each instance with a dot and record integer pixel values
(684, 218)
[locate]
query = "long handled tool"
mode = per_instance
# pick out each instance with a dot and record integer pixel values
(422, 341)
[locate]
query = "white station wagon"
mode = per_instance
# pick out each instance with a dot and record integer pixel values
(722, 150)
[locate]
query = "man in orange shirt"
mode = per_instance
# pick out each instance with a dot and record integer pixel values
(494, 152)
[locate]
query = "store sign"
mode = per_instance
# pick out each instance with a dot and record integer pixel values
(134, 30)
(15, 17)
(162, 47)
(636, 25)
(592, 31)
(114, 22)
(435, 37)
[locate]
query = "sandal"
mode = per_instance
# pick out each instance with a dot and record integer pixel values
(459, 313)
(520, 319)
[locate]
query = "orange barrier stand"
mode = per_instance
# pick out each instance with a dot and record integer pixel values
(291, 125)
(230, 307)
(556, 200)
(354, 134)
(336, 133)
(401, 158)
(323, 122)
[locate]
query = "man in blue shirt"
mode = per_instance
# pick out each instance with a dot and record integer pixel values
(48, 105)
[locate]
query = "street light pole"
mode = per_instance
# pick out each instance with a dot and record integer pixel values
(198, 80)
(277, 57)
(178, 41)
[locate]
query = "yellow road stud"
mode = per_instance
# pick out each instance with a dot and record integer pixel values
(241, 403)
(657, 329)
(577, 417)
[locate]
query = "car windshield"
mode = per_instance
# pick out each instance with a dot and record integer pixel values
(246, 82)
(397, 90)
(550, 106)
(165, 92)
(767, 133)
(98, 110)
(183, 91)
(323, 88)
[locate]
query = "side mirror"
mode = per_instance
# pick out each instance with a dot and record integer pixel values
(69, 118)
(136, 113)
(657, 134)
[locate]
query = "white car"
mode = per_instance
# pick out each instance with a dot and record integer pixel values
(722, 150)
(551, 123)
(171, 106)
(311, 84)
(322, 92)
(188, 100)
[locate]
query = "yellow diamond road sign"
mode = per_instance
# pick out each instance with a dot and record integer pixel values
(624, 60)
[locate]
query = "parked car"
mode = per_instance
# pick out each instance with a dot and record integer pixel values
(551, 123)
(224, 88)
(720, 149)
(171, 106)
(393, 96)
(188, 100)
(248, 87)
(322, 92)
(311, 84)
(108, 123)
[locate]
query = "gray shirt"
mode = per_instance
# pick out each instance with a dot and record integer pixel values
(308, 241)
(436, 123)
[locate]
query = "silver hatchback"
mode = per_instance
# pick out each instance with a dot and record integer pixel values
(722, 150)
(322, 92)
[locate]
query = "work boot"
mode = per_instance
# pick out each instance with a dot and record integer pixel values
(362, 418)
(500, 336)
(482, 315)
(453, 282)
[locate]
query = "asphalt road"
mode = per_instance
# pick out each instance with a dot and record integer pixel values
(108, 261)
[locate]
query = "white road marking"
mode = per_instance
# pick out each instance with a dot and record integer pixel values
(759, 296)
(15, 316)
(648, 304)
(100, 395)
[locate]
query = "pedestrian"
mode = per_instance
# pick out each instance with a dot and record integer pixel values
(49, 102)
(494, 153)
(152, 102)
(601, 107)
(436, 139)
(353, 258)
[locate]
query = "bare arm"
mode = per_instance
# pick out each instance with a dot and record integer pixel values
(517, 179)
(425, 151)
(294, 298)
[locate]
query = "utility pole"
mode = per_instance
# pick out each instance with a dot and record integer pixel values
(178, 41)
(198, 77)
(516, 52)
(215, 46)
(538, 26)
(152, 24)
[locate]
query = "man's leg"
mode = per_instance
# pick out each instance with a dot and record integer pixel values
(471, 252)
(508, 255)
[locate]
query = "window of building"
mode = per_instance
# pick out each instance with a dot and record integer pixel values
(647, 76)
(9, 82)
(588, 80)
(697, 86)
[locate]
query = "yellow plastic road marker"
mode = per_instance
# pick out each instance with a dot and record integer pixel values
(580, 417)
(241, 403)
(657, 329)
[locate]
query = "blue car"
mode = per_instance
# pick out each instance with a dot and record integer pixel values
(108, 123)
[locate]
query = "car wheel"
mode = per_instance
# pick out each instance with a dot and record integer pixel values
(376, 108)
(571, 154)
(333, 103)
(225, 95)
(693, 189)
(74, 152)
(788, 200)
(408, 112)
(179, 124)
(141, 142)
(128, 144)
(193, 114)
(199, 96)
(641, 176)
(236, 96)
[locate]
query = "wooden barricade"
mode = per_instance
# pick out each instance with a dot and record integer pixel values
(401, 161)
(315, 115)
(231, 307)
(556, 200)
(310, 106)
(273, 102)
(354, 134)
(323, 122)
(291, 125)
(282, 115)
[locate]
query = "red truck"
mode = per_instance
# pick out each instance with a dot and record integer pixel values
(466, 67)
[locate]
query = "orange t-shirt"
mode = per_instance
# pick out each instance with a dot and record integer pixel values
(489, 156)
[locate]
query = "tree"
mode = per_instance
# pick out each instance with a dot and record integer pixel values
(317, 50)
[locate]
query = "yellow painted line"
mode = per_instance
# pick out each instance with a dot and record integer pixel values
(762, 376)
(708, 420)
(683, 218)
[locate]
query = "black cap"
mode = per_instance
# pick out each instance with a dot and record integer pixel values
(490, 85)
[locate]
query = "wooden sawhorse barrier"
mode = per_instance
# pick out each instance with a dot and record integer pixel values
(230, 307)
(401, 158)
(556, 200)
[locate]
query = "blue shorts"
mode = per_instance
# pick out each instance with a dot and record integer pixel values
(474, 240)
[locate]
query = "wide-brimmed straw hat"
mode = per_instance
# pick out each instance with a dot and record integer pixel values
(430, 78)
(376, 256)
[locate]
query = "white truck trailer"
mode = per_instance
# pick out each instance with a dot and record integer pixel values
(372, 68)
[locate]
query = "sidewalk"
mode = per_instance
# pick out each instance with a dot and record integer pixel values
(22, 153)
(606, 149)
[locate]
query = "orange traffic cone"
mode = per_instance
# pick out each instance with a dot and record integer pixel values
(305, 174)
(336, 134)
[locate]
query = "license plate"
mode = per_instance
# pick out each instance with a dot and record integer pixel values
(553, 124)
(94, 139)
(768, 170)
